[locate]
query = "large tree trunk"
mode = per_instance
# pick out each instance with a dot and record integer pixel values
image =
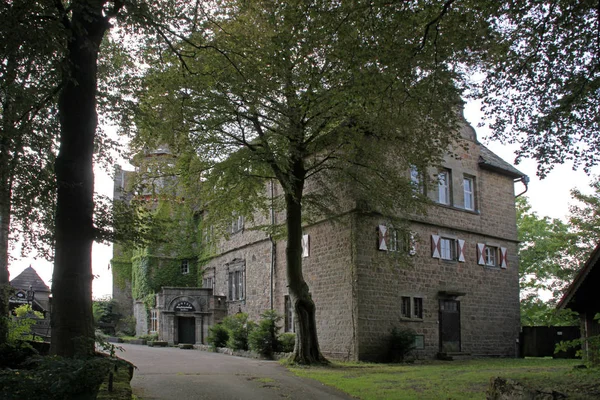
(72, 320)
(4, 232)
(307, 349)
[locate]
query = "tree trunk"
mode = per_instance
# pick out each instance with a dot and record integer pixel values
(4, 232)
(72, 320)
(307, 349)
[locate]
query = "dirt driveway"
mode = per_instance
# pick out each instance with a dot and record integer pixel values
(176, 374)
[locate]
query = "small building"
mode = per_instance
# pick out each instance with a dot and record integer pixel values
(582, 297)
(30, 289)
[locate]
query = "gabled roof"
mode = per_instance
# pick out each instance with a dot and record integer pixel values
(490, 161)
(29, 278)
(582, 288)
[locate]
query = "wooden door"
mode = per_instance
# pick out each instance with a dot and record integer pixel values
(449, 326)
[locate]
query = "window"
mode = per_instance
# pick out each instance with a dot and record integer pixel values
(289, 315)
(237, 224)
(395, 241)
(153, 321)
(208, 282)
(469, 192)
(419, 342)
(490, 254)
(418, 308)
(405, 307)
(236, 285)
(411, 307)
(185, 267)
(444, 183)
(447, 249)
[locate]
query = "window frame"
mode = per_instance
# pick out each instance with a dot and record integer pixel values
(491, 256)
(469, 194)
(153, 321)
(184, 267)
(236, 284)
(452, 248)
(412, 307)
(208, 282)
(445, 187)
(289, 323)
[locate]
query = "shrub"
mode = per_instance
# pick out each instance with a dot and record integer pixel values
(401, 342)
(21, 326)
(287, 341)
(55, 378)
(12, 355)
(263, 339)
(218, 336)
(238, 327)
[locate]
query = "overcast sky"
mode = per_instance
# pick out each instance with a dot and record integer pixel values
(549, 197)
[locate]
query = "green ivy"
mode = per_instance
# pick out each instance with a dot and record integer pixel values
(121, 272)
(159, 264)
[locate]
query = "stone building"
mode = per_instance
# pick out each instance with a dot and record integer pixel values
(454, 281)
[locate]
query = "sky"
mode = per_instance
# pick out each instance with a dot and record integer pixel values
(548, 197)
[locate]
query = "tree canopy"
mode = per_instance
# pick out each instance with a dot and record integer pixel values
(542, 84)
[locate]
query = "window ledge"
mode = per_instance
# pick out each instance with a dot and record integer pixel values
(451, 207)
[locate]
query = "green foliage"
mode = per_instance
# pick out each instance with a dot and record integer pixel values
(541, 88)
(238, 327)
(218, 336)
(264, 338)
(400, 343)
(14, 353)
(287, 342)
(104, 312)
(588, 348)
(21, 327)
(55, 378)
(121, 272)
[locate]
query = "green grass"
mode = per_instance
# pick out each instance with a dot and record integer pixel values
(456, 380)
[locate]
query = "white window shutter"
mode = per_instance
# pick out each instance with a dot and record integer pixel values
(305, 245)
(461, 250)
(436, 251)
(503, 255)
(481, 253)
(383, 238)
(412, 244)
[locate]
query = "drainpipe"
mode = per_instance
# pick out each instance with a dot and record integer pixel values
(525, 180)
(273, 249)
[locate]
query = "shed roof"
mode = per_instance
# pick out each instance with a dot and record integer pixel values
(581, 295)
(29, 278)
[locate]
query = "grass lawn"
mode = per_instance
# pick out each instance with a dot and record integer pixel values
(456, 380)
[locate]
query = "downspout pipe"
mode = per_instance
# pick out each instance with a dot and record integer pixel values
(525, 180)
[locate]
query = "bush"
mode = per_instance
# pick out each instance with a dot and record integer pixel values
(238, 327)
(287, 341)
(218, 336)
(401, 342)
(263, 339)
(55, 378)
(21, 326)
(12, 355)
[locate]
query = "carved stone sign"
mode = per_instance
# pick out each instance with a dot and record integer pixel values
(184, 306)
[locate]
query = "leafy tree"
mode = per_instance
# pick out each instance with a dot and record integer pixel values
(545, 264)
(542, 85)
(329, 100)
(29, 61)
(584, 217)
